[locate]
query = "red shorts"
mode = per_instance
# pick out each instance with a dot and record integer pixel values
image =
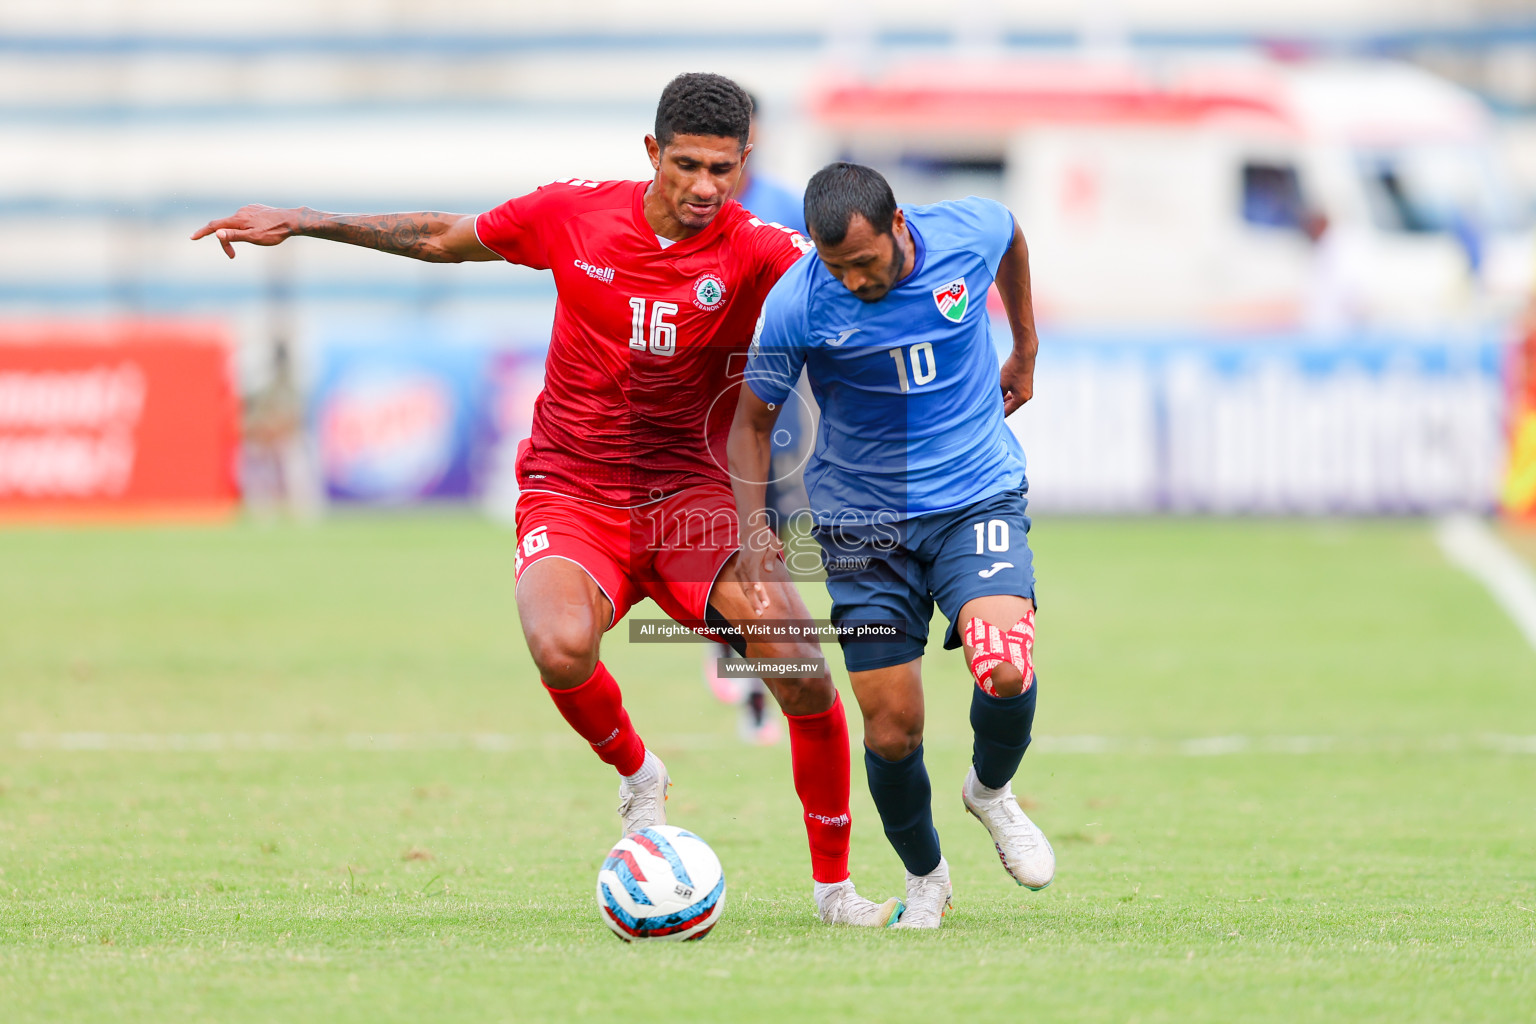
(670, 550)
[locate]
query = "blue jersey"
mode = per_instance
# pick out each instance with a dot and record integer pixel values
(911, 405)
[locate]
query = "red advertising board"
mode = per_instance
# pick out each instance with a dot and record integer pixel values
(125, 419)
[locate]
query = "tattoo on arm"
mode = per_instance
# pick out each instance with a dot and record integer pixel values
(416, 235)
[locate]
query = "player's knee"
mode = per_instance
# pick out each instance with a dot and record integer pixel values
(1002, 660)
(565, 656)
(1007, 680)
(808, 695)
(892, 737)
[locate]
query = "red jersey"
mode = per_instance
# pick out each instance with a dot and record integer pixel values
(639, 385)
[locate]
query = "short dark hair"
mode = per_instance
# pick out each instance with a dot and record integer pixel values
(703, 104)
(839, 191)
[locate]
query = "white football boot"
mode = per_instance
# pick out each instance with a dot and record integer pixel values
(642, 803)
(927, 898)
(840, 904)
(1021, 846)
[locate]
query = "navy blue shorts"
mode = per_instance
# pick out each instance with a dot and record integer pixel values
(894, 573)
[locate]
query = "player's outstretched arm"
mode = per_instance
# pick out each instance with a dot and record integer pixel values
(1018, 377)
(434, 237)
(750, 454)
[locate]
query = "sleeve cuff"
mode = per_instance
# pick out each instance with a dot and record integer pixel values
(762, 387)
(482, 241)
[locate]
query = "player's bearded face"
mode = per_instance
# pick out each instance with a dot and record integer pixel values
(695, 175)
(867, 262)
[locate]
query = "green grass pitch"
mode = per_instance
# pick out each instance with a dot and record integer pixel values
(1286, 766)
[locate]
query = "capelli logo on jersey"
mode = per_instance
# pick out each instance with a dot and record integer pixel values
(603, 274)
(708, 292)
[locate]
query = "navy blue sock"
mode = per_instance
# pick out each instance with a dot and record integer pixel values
(1001, 725)
(905, 802)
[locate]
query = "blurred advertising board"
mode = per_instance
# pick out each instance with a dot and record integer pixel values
(1253, 424)
(137, 418)
(517, 377)
(1266, 425)
(421, 413)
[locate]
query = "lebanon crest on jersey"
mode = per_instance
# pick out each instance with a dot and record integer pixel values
(708, 292)
(952, 299)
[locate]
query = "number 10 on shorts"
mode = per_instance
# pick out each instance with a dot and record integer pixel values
(994, 533)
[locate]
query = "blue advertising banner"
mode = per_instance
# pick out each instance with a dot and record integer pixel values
(399, 423)
(412, 412)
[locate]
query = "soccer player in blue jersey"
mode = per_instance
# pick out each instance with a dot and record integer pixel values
(917, 486)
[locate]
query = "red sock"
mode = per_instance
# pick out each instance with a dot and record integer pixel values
(818, 750)
(596, 710)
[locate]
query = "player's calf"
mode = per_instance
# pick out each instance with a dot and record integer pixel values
(816, 721)
(1003, 703)
(1002, 715)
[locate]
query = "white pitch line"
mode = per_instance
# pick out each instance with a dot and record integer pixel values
(1471, 546)
(396, 743)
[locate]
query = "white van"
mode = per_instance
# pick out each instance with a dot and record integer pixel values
(1231, 193)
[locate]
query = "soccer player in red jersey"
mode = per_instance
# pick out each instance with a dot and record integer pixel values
(624, 494)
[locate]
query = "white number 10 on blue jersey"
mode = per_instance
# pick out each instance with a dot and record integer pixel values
(924, 369)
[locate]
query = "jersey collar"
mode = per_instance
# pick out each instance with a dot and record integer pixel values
(920, 253)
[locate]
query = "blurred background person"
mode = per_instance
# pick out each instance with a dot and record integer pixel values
(277, 473)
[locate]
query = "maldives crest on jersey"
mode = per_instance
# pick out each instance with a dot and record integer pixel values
(708, 292)
(952, 299)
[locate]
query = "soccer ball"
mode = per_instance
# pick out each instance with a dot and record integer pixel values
(661, 883)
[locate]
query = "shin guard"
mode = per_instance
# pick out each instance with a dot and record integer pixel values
(595, 709)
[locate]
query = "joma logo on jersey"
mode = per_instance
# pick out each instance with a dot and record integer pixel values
(708, 292)
(952, 300)
(603, 274)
